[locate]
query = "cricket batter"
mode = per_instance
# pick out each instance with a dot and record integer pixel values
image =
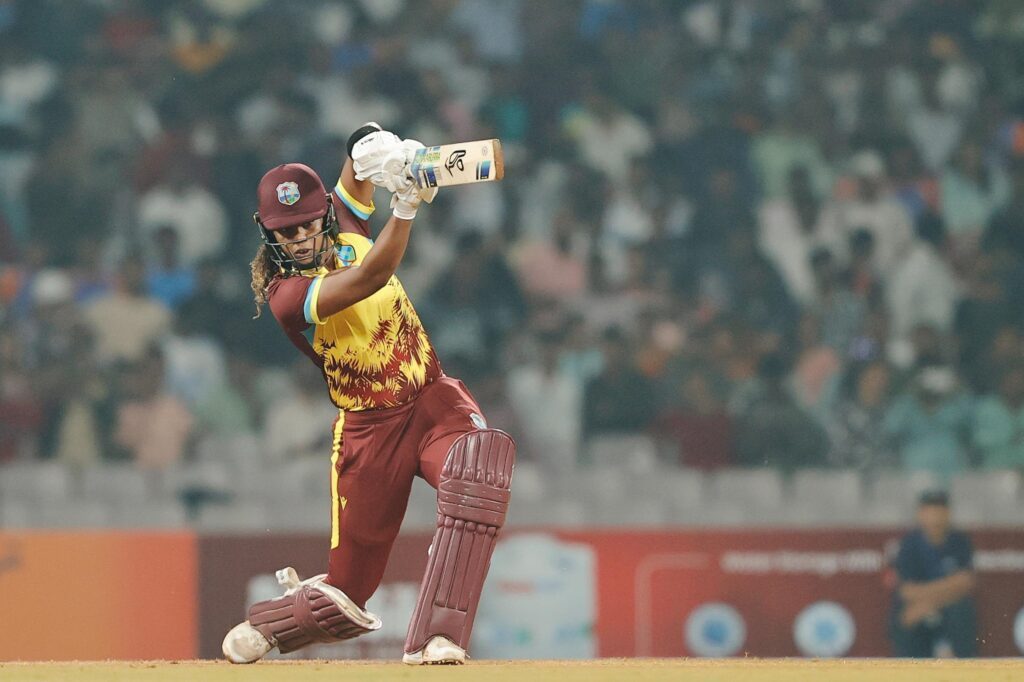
(334, 292)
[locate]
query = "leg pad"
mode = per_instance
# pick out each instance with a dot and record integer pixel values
(311, 613)
(472, 501)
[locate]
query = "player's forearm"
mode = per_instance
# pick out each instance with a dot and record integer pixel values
(360, 190)
(387, 252)
(954, 588)
(940, 592)
(342, 288)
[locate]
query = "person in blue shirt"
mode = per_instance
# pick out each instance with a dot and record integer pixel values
(930, 422)
(932, 607)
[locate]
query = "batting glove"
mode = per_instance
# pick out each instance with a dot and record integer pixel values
(406, 200)
(377, 157)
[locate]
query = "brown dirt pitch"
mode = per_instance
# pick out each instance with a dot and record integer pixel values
(606, 670)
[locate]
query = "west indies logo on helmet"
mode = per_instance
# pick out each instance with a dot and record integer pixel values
(289, 195)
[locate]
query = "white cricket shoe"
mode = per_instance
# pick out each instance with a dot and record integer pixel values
(245, 644)
(439, 650)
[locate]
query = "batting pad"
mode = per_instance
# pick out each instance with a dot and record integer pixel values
(472, 501)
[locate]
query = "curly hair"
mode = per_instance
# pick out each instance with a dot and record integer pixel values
(263, 270)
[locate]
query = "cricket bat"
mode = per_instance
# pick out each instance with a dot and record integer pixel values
(458, 164)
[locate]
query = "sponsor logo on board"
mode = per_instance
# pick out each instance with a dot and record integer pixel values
(715, 630)
(824, 629)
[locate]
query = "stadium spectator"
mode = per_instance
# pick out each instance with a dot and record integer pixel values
(922, 290)
(231, 408)
(861, 276)
(21, 413)
(931, 125)
(126, 322)
(855, 422)
(840, 311)
(475, 302)
(607, 137)
(167, 280)
(620, 399)
(60, 350)
(933, 612)
(1003, 232)
(188, 208)
(788, 233)
(547, 401)
(580, 358)
(701, 428)
(782, 148)
(555, 266)
(972, 191)
(998, 431)
(152, 427)
(771, 428)
(87, 272)
(195, 363)
(929, 422)
(817, 365)
(293, 422)
(870, 207)
(986, 306)
(917, 190)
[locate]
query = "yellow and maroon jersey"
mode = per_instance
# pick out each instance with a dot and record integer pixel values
(373, 354)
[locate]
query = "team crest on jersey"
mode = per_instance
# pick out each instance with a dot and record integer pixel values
(288, 193)
(346, 254)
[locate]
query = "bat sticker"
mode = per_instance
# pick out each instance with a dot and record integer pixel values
(455, 161)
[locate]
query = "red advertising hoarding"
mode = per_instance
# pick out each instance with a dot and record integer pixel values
(85, 596)
(642, 593)
(551, 593)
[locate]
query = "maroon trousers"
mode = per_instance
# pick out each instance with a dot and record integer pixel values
(375, 458)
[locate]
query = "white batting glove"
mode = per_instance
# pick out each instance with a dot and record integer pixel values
(377, 156)
(406, 200)
(410, 147)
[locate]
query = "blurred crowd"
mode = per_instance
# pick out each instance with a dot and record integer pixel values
(762, 233)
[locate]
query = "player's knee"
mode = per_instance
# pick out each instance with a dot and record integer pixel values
(476, 479)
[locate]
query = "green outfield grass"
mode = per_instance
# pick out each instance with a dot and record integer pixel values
(640, 670)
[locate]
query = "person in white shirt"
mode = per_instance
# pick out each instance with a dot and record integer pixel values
(788, 232)
(552, 426)
(873, 208)
(922, 289)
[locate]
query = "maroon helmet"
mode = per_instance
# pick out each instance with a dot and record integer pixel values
(288, 195)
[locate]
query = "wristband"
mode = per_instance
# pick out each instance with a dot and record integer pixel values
(359, 134)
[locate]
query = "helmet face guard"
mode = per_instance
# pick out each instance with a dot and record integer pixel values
(279, 254)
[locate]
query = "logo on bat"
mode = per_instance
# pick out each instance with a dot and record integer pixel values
(455, 161)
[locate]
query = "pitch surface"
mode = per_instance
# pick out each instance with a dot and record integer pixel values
(607, 670)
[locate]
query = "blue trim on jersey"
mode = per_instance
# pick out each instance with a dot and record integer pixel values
(308, 333)
(360, 212)
(307, 306)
